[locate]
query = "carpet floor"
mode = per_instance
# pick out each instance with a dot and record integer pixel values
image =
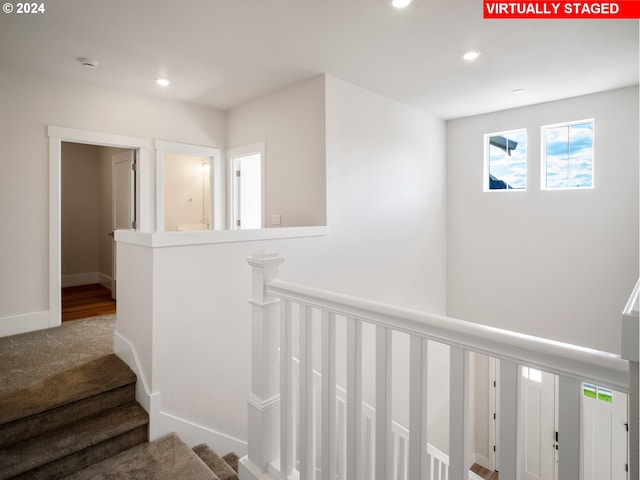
(31, 357)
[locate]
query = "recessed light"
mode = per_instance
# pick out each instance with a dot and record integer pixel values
(401, 3)
(163, 82)
(471, 56)
(88, 62)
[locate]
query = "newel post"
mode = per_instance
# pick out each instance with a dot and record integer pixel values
(264, 399)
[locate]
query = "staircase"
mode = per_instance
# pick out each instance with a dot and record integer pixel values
(80, 421)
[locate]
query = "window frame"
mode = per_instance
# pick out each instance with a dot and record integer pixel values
(543, 154)
(487, 160)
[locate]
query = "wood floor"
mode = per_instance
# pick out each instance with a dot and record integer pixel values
(86, 301)
(483, 472)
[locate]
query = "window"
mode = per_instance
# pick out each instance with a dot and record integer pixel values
(599, 393)
(506, 161)
(567, 155)
(532, 374)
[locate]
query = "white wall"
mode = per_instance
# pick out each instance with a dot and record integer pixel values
(557, 264)
(291, 122)
(30, 103)
(385, 175)
(186, 191)
(80, 210)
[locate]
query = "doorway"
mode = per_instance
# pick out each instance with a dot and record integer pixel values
(246, 167)
(97, 191)
(57, 136)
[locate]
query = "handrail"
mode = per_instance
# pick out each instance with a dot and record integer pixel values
(584, 364)
(632, 307)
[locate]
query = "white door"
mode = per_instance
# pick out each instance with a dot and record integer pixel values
(537, 421)
(247, 198)
(604, 423)
(123, 196)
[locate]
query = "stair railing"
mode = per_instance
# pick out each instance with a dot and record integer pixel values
(437, 461)
(285, 438)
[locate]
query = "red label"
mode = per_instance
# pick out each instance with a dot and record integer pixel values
(546, 9)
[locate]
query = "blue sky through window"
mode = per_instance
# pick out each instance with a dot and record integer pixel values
(507, 167)
(568, 156)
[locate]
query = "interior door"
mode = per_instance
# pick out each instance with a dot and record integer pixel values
(537, 419)
(123, 194)
(604, 420)
(247, 191)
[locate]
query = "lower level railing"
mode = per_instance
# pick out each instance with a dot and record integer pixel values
(437, 461)
(311, 417)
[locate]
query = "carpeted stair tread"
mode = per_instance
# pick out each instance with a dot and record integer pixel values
(167, 458)
(33, 425)
(215, 463)
(86, 380)
(70, 439)
(232, 460)
(72, 463)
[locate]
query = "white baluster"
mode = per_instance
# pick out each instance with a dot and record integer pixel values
(459, 411)
(384, 437)
(342, 439)
(369, 447)
(307, 433)
(401, 459)
(286, 390)
(418, 409)
(354, 400)
(264, 397)
(328, 396)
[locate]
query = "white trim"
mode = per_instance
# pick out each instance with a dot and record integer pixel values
(97, 138)
(263, 404)
(27, 322)
(481, 460)
(217, 183)
(574, 361)
(77, 279)
(247, 470)
(205, 237)
(105, 280)
(56, 136)
(236, 152)
(150, 401)
(543, 154)
(193, 434)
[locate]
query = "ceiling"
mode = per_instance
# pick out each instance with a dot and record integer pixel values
(222, 53)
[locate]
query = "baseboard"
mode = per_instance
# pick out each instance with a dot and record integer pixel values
(481, 460)
(193, 434)
(105, 280)
(24, 323)
(248, 471)
(78, 279)
(150, 401)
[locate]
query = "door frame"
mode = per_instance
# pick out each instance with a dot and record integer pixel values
(143, 199)
(243, 151)
(131, 161)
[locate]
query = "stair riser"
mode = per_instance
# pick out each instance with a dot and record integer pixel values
(71, 439)
(29, 427)
(77, 461)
